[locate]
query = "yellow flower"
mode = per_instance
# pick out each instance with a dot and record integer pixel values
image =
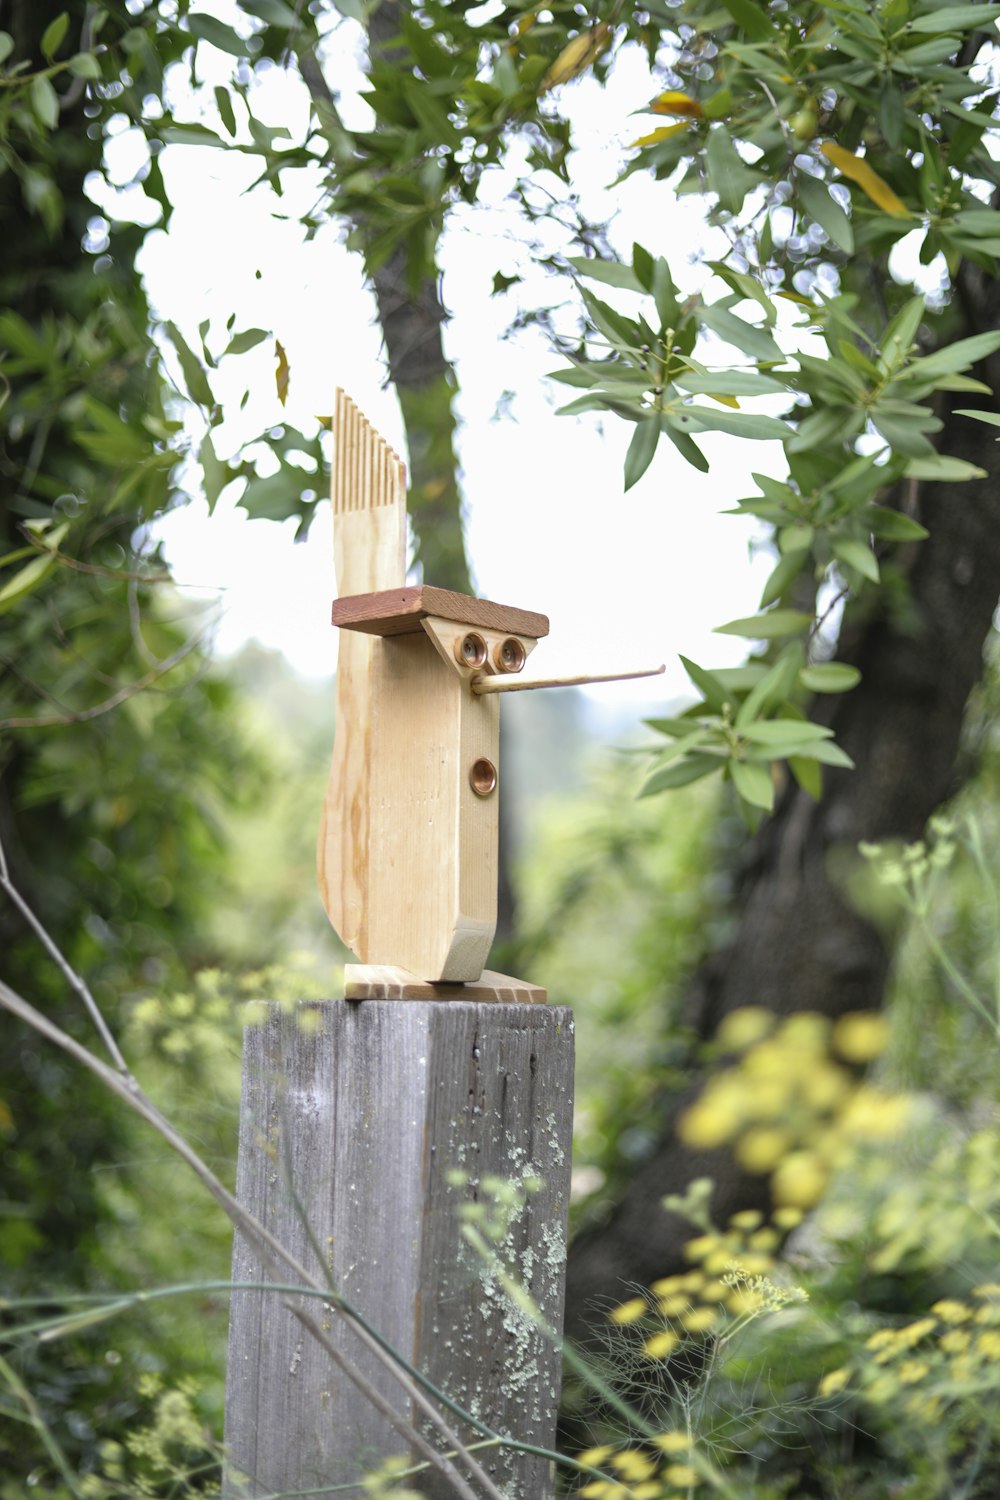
(630, 1311)
(633, 1464)
(912, 1333)
(912, 1370)
(761, 1148)
(956, 1340)
(700, 1319)
(681, 1474)
(670, 1307)
(667, 1285)
(834, 1381)
(698, 1248)
(950, 1310)
(861, 1035)
(672, 1442)
(747, 1218)
(714, 1291)
(661, 1345)
(989, 1344)
(741, 1028)
(594, 1457)
(716, 1116)
(788, 1217)
(800, 1179)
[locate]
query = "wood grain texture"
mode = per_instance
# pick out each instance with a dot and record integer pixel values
(399, 612)
(431, 875)
(353, 1119)
(383, 982)
(368, 489)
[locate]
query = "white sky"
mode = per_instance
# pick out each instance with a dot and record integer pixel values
(627, 580)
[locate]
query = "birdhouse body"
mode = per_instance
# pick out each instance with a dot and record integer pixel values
(432, 844)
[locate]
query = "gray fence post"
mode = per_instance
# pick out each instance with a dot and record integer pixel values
(364, 1128)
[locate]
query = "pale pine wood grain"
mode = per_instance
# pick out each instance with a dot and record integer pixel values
(385, 982)
(368, 489)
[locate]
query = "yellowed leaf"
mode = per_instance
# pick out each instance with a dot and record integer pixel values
(662, 133)
(867, 179)
(281, 372)
(577, 56)
(726, 401)
(673, 102)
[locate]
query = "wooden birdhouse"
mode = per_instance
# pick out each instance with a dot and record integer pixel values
(410, 829)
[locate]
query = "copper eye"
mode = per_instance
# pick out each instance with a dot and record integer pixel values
(510, 655)
(471, 650)
(483, 777)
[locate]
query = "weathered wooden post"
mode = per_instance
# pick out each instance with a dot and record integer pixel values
(370, 1123)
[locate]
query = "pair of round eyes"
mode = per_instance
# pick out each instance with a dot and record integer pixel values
(508, 656)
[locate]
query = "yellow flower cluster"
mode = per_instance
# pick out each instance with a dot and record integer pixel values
(930, 1362)
(732, 1283)
(641, 1475)
(791, 1105)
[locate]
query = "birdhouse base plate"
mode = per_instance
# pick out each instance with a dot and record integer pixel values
(382, 982)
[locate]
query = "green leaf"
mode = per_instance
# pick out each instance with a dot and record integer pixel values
(30, 576)
(675, 728)
(248, 339)
(743, 336)
(808, 775)
(729, 383)
(958, 356)
(274, 12)
(726, 171)
(52, 36)
(901, 332)
(44, 101)
(641, 449)
(856, 555)
(767, 627)
(6, 45)
(753, 782)
(782, 576)
(752, 18)
(940, 466)
(819, 205)
(688, 449)
(693, 768)
(742, 424)
(207, 28)
(892, 524)
(610, 271)
(956, 18)
(195, 378)
(779, 734)
(85, 65)
(991, 418)
(830, 677)
(830, 755)
(772, 689)
(224, 104)
(708, 685)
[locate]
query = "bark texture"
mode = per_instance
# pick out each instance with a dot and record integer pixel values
(799, 944)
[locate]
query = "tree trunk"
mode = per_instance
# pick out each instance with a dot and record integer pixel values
(799, 944)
